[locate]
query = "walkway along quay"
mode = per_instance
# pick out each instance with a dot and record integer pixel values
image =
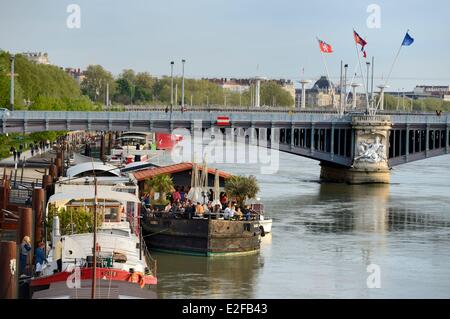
(351, 148)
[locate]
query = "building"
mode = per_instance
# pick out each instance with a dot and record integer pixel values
(320, 95)
(432, 91)
(232, 84)
(37, 57)
(242, 85)
(77, 74)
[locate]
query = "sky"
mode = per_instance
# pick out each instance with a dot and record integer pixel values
(236, 38)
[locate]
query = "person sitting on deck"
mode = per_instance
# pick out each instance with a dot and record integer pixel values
(229, 212)
(182, 194)
(199, 210)
(223, 199)
(168, 208)
(247, 213)
(190, 210)
(238, 215)
(176, 195)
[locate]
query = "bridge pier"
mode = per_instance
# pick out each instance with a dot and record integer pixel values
(370, 153)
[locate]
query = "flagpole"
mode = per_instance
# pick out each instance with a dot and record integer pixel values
(362, 75)
(328, 74)
(353, 78)
(392, 68)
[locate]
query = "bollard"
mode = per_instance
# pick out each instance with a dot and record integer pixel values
(4, 193)
(58, 164)
(38, 209)
(8, 270)
(53, 172)
(102, 147)
(26, 229)
(25, 223)
(47, 181)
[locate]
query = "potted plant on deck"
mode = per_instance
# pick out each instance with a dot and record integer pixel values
(242, 188)
(162, 184)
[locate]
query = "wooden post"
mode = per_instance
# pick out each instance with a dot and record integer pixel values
(25, 224)
(26, 229)
(58, 164)
(102, 147)
(110, 137)
(38, 208)
(53, 172)
(8, 270)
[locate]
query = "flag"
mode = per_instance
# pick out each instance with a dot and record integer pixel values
(325, 47)
(408, 40)
(361, 42)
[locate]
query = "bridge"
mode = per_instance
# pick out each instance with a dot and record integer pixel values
(354, 148)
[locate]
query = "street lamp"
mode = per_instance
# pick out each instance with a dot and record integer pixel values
(11, 100)
(182, 84)
(345, 87)
(303, 97)
(367, 87)
(171, 84)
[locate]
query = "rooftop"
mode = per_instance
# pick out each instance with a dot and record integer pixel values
(171, 169)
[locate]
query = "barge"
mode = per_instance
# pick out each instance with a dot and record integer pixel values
(202, 237)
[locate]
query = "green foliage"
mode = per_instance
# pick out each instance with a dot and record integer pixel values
(242, 188)
(161, 184)
(40, 87)
(273, 94)
(80, 220)
(81, 103)
(392, 102)
(95, 83)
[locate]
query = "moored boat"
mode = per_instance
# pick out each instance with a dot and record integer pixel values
(120, 258)
(202, 236)
(180, 228)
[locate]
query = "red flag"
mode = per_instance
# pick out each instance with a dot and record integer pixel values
(325, 47)
(361, 42)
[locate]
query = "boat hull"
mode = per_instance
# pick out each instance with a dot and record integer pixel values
(101, 273)
(202, 237)
(266, 224)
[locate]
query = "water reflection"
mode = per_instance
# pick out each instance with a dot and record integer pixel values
(207, 277)
(404, 218)
(340, 208)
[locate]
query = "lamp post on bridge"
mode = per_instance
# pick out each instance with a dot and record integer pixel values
(354, 86)
(11, 99)
(171, 84)
(367, 88)
(382, 87)
(304, 82)
(182, 85)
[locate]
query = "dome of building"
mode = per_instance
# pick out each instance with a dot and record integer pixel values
(322, 84)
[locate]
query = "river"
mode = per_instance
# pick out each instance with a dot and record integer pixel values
(324, 237)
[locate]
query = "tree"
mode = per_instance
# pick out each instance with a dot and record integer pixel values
(77, 219)
(242, 188)
(273, 94)
(161, 184)
(95, 82)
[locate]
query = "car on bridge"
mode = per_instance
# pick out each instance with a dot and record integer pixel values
(223, 121)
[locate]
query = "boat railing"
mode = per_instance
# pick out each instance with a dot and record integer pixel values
(151, 262)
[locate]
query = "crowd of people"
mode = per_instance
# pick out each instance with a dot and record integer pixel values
(35, 148)
(180, 206)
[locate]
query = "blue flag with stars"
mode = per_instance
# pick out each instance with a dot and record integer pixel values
(408, 40)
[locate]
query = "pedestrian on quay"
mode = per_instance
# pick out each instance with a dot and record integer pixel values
(14, 153)
(32, 149)
(58, 254)
(25, 248)
(40, 258)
